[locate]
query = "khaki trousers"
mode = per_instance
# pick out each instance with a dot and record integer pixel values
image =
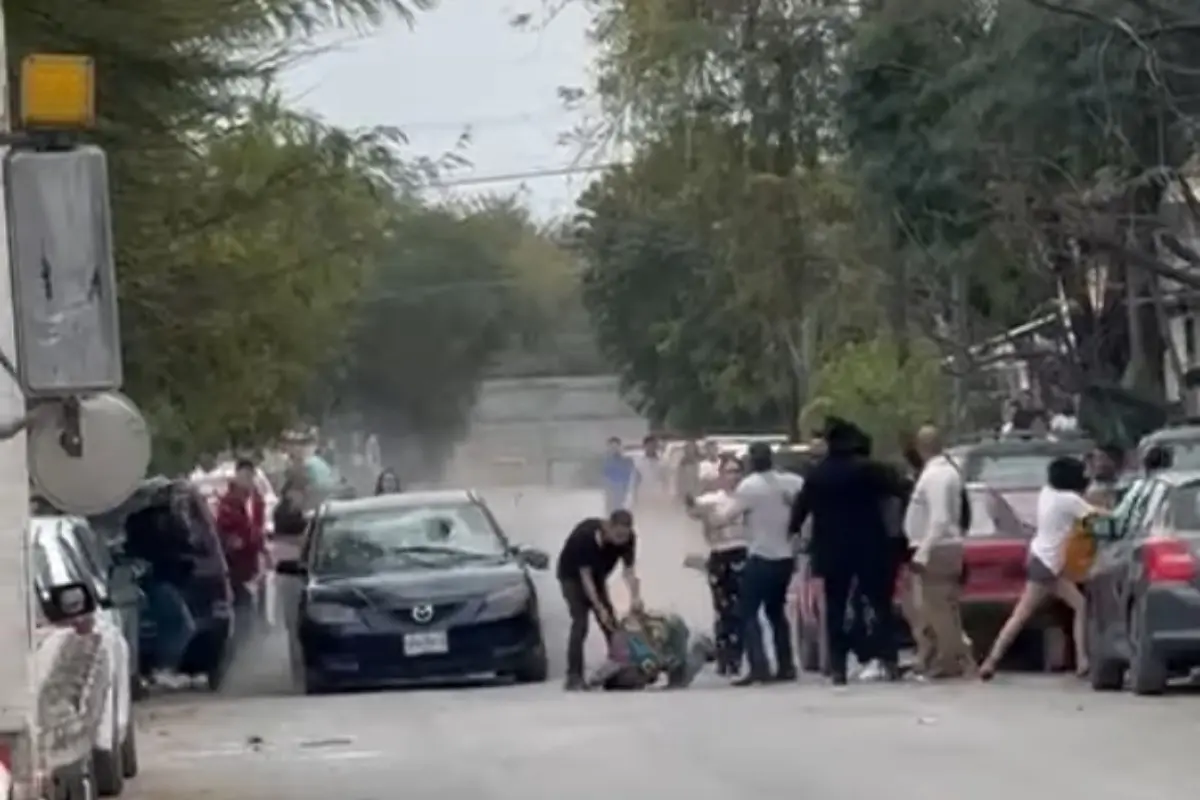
(930, 604)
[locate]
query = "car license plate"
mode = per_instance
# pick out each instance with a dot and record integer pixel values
(426, 643)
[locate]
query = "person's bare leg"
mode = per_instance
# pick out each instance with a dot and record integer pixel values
(1069, 593)
(1031, 596)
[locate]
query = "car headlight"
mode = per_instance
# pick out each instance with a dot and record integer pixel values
(332, 614)
(508, 602)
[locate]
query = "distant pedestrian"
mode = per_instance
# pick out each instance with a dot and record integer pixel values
(764, 498)
(687, 475)
(1064, 421)
(588, 556)
(618, 477)
(1104, 468)
(650, 472)
(388, 482)
(1157, 459)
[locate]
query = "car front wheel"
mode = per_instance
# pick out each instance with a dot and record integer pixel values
(536, 668)
(108, 766)
(1147, 673)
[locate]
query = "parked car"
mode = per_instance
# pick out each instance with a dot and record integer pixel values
(1144, 588)
(1183, 442)
(1004, 477)
(72, 550)
(412, 586)
(209, 595)
(82, 661)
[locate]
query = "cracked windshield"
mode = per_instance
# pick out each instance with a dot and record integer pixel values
(366, 541)
(521, 399)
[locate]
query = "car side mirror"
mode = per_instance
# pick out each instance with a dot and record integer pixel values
(292, 567)
(69, 602)
(533, 557)
(1103, 529)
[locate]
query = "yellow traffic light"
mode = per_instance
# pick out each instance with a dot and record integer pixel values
(58, 91)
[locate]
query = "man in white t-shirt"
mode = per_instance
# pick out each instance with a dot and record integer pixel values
(1060, 508)
(765, 499)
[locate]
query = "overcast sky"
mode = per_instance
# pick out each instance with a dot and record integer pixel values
(463, 67)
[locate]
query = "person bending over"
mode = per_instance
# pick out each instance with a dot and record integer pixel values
(588, 557)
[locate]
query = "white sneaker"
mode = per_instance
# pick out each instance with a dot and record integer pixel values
(873, 671)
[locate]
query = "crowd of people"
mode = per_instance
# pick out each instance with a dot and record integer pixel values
(851, 530)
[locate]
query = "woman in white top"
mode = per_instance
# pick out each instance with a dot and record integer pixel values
(1060, 508)
(726, 557)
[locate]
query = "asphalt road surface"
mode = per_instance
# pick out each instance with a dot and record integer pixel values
(1027, 737)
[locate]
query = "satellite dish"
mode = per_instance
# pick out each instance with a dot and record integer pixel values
(110, 461)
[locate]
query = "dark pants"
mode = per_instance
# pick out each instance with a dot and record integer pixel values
(580, 608)
(764, 585)
(724, 580)
(174, 625)
(873, 583)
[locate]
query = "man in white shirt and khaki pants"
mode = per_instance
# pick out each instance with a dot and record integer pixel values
(933, 590)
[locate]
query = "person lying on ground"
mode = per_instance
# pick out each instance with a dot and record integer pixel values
(647, 645)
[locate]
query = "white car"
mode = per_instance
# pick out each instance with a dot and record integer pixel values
(66, 551)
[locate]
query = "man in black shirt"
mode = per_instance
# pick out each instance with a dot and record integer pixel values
(588, 557)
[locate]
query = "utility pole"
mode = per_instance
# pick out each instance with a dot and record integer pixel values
(18, 701)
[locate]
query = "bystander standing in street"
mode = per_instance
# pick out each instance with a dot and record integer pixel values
(725, 536)
(687, 475)
(651, 480)
(617, 474)
(935, 522)
(764, 499)
(846, 495)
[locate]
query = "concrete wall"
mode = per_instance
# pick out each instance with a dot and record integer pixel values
(543, 430)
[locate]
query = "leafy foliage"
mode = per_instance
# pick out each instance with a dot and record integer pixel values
(933, 170)
(258, 247)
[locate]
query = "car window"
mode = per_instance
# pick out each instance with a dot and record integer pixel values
(53, 565)
(1009, 470)
(1184, 454)
(75, 551)
(1184, 508)
(367, 541)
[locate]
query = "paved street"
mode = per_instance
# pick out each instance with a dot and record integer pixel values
(1025, 737)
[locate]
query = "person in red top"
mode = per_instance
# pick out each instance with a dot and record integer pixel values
(241, 524)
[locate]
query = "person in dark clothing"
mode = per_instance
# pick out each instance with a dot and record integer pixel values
(154, 535)
(846, 495)
(288, 518)
(862, 621)
(588, 557)
(1157, 459)
(388, 482)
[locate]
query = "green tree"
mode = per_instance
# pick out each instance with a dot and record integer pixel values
(450, 294)
(242, 231)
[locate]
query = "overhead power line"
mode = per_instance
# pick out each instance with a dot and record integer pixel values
(509, 177)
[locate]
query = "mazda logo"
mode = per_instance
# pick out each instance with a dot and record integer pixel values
(422, 613)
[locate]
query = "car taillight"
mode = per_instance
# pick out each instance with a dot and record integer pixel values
(1169, 561)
